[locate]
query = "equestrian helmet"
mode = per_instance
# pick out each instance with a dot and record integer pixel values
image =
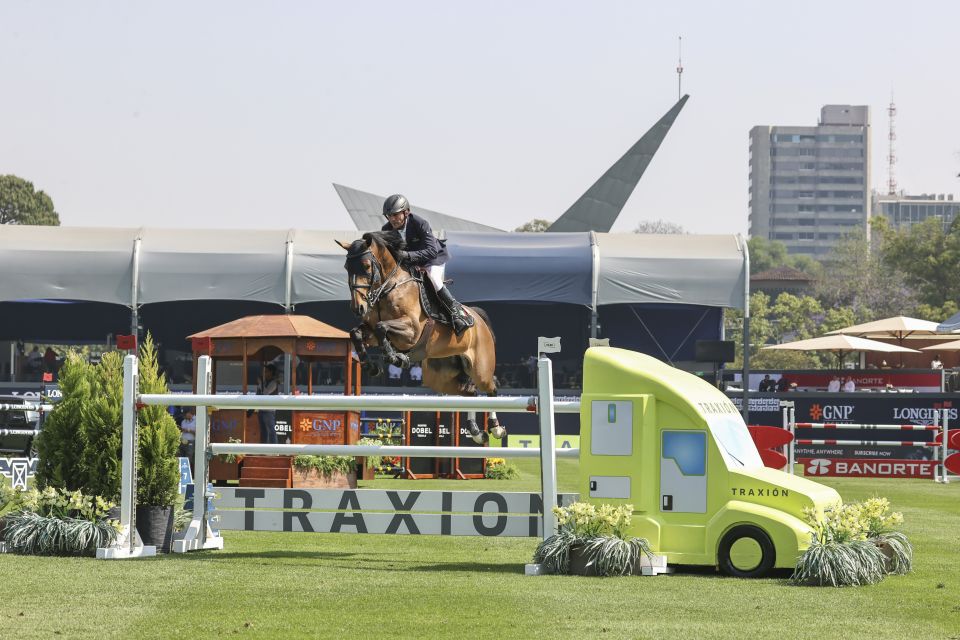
(395, 204)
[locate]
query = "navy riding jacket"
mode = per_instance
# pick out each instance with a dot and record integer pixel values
(424, 248)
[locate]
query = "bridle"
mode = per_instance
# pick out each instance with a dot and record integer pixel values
(377, 286)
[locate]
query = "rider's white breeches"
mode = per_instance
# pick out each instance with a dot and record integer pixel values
(435, 273)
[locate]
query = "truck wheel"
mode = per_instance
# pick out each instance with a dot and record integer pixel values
(746, 551)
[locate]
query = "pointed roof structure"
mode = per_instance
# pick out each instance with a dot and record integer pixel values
(273, 326)
(366, 211)
(598, 208)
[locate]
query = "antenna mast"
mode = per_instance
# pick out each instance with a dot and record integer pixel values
(891, 156)
(679, 67)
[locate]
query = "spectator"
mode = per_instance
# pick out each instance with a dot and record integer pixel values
(393, 374)
(34, 360)
(936, 363)
(50, 360)
(834, 386)
(849, 386)
(268, 417)
(767, 384)
(783, 384)
(188, 434)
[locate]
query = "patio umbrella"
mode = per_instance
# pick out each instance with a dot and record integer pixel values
(841, 344)
(953, 345)
(898, 327)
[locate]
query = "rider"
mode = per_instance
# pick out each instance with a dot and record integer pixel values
(423, 250)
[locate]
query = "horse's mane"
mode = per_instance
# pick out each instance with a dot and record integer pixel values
(392, 241)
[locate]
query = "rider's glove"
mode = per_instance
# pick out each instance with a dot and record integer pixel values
(404, 256)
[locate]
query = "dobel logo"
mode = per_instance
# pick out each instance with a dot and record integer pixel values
(831, 412)
(819, 467)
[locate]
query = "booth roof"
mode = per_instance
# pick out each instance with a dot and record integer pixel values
(288, 267)
(273, 326)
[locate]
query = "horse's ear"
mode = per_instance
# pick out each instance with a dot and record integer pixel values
(343, 245)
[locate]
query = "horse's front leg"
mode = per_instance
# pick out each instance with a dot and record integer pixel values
(359, 337)
(395, 332)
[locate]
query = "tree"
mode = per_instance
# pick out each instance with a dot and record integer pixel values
(926, 255)
(855, 275)
(535, 225)
(103, 429)
(61, 443)
(766, 254)
(659, 226)
(158, 473)
(21, 204)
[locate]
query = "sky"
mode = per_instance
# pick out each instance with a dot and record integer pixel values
(240, 114)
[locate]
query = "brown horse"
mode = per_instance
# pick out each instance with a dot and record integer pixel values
(385, 295)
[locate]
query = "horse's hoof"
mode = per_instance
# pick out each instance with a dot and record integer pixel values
(372, 370)
(401, 360)
(480, 437)
(499, 432)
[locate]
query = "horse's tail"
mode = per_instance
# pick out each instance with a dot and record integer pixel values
(483, 316)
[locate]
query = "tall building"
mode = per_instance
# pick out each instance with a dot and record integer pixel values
(810, 186)
(903, 211)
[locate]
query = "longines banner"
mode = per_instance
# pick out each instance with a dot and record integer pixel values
(885, 408)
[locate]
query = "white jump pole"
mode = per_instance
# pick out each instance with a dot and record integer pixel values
(128, 543)
(199, 535)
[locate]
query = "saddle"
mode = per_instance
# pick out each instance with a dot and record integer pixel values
(431, 304)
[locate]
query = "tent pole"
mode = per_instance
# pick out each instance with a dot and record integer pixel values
(746, 330)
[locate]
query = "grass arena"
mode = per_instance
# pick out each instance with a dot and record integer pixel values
(276, 572)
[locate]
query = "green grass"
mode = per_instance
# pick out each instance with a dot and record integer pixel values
(279, 585)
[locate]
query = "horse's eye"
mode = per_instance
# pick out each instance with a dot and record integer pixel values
(366, 265)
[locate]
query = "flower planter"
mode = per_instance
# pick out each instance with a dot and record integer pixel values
(155, 526)
(364, 472)
(312, 479)
(644, 566)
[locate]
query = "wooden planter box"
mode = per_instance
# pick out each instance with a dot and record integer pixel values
(310, 479)
(364, 472)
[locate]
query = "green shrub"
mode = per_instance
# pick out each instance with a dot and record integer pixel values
(500, 469)
(62, 441)
(31, 533)
(158, 472)
(325, 465)
(100, 467)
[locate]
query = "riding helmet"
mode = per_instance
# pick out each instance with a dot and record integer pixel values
(395, 204)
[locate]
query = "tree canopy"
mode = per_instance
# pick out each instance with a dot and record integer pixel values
(537, 225)
(20, 203)
(659, 226)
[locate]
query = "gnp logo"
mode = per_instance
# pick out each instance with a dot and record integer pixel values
(818, 467)
(831, 412)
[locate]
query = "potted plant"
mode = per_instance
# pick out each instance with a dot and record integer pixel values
(367, 465)
(839, 553)
(58, 522)
(325, 472)
(500, 469)
(591, 541)
(158, 471)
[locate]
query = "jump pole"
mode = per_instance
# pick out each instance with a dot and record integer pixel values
(199, 534)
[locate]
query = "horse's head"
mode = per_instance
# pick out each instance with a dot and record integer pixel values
(370, 260)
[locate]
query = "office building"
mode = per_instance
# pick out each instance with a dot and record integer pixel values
(904, 211)
(810, 186)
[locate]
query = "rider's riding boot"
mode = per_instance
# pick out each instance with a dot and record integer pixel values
(454, 309)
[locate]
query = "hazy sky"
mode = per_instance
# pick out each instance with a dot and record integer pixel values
(241, 114)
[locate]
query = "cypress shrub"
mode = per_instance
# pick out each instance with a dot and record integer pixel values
(61, 444)
(103, 430)
(158, 472)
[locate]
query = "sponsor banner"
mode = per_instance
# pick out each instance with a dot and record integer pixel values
(858, 468)
(838, 408)
(533, 442)
(864, 379)
(18, 470)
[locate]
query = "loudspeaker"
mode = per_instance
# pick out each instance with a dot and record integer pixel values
(715, 351)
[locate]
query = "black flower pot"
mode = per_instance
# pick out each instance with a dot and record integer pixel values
(155, 526)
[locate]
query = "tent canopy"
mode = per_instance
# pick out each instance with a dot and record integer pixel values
(289, 267)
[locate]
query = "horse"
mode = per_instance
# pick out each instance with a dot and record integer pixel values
(385, 295)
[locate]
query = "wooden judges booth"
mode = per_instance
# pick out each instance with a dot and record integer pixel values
(240, 351)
